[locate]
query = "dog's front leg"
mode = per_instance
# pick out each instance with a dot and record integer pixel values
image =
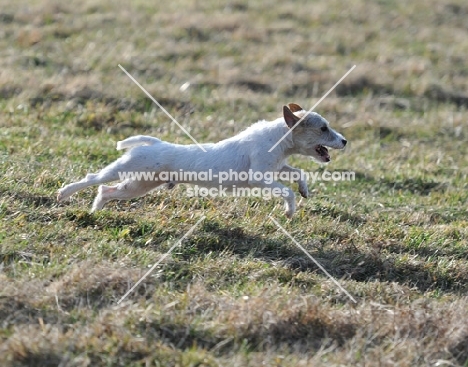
(278, 190)
(303, 189)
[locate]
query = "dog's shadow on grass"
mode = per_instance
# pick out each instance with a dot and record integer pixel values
(346, 262)
(341, 261)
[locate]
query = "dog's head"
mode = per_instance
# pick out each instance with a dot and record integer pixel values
(311, 133)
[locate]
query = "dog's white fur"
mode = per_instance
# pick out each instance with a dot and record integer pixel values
(241, 153)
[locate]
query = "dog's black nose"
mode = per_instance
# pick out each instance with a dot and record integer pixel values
(344, 141)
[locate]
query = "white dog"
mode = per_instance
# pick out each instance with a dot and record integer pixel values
(245, 152)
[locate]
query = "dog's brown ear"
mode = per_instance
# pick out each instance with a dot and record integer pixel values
(294, 107)
(290, 118)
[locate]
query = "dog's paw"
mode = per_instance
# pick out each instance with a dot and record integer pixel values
(303, 189)
(60, 196)
(290, 210)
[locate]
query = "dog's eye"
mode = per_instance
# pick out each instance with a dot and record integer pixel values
(324, 128)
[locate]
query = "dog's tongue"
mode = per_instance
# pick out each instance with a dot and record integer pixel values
(323, 153)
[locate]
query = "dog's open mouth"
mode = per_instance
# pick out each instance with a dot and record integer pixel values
(323, 153)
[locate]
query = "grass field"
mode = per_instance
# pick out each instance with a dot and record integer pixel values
(237, 291)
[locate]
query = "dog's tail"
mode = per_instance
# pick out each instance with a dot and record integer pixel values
(136, 141)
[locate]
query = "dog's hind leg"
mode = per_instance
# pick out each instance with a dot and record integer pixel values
(126, 190)
(107, 174)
